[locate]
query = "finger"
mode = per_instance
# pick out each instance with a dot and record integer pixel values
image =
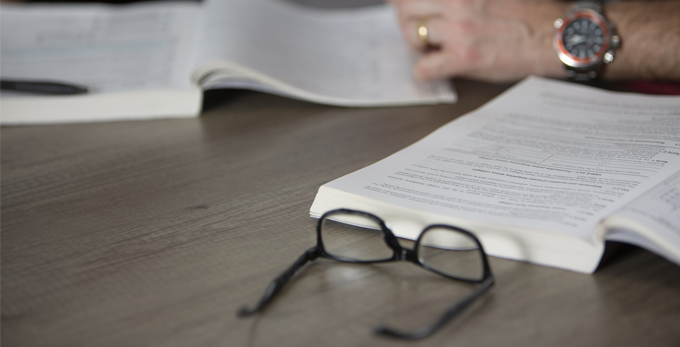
(434, 26)
(418, 8)
(434, 65)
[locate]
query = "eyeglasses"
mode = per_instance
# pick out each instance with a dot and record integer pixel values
(358, 237)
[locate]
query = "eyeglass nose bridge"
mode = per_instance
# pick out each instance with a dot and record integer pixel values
(407, 254)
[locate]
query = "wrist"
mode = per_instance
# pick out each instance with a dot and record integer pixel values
(549, 62)
(650, 45)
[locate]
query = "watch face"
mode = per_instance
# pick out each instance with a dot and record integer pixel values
(583, 39)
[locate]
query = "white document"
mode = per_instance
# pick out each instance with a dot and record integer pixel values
(545, 155)
(152, 60)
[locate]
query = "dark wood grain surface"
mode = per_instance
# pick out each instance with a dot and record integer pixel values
(153, 233)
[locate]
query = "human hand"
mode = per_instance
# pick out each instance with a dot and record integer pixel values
(491, 40)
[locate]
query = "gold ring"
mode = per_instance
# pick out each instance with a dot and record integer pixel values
(423, 33)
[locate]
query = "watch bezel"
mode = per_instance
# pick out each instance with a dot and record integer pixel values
(569, 59)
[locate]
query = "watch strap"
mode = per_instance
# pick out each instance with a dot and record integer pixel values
(592, 5)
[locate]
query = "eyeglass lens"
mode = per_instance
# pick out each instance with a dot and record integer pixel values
(451, 252)
(354, 237)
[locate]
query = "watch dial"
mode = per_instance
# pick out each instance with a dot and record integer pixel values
(583, 38)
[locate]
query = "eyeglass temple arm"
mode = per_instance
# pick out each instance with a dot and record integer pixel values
(446, 317)
(277, 284)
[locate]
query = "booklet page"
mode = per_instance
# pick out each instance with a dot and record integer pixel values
(544, 155)
(105, 48)
(656, 219)
(346, 56)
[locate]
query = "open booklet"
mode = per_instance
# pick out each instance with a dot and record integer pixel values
(152, 60)
(544, 173)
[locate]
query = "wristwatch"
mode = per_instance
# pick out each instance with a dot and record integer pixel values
(585, 40)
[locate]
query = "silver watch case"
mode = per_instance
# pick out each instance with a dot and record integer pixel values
(606, 52)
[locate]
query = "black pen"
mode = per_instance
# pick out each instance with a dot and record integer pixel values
(43, 87)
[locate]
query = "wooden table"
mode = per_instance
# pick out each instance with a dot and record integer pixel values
(154, 233)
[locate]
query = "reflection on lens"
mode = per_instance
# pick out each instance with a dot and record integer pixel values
(451, 252)
(354, 237)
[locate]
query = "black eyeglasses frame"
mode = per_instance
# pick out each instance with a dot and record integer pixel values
(399, 254)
